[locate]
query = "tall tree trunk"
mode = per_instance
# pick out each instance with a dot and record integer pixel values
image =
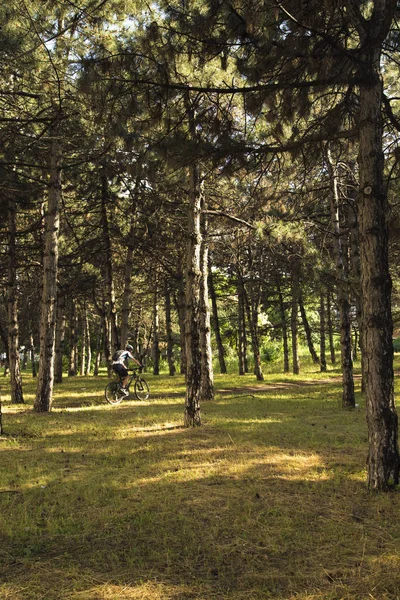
(383, 455)
(83, 341)
(168, 327)
(108, 267)
(330, 328)
(127, 294)
(285, 341)
(192, 415)
(99, 344)
(88, 362)
(73, 340)
(341, 260)
(207, 373)
(322, 327)
(45, 382)
(33, 363)
(12, 309)
(156, 337)
(294, 319)
(251, 306)
(180, 303)
(242, 345)
(215, 322)
(60, 336)
(307, 331)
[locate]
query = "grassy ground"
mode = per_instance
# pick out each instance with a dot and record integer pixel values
(266, 500)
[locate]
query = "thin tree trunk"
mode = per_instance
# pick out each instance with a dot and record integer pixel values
(45, 382)
(294, 320)
(251, 306)
(330, 328)
(99, 343)
(180, 303)
(108, 267)
(207, 373)
(348, 398)
(83, 341)
(33, 363)
(242, 346)
(168, 327)
(285, 341)
(88, 363)
(156, 340)
(307, 331)
(322, 327)
(73, 336)
(60, 336)
(383, 455)
(12, 309)
(215, 322)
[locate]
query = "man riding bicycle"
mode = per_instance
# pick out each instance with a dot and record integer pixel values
(119, 357)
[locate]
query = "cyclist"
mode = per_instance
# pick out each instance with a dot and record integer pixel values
(119, 357)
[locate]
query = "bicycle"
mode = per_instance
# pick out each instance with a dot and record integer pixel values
(114, 391)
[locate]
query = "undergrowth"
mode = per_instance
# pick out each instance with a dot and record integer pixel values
(267, 499)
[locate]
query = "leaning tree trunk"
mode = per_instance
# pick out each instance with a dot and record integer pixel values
(45, 383)
(207, 373)
(341, 260)
(307, 331)
(12, 309)
(215, 322)
(383, 455)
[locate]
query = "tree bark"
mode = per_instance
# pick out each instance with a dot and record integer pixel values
(45, 383)
(192, 416)
(207, 373)
(322, 326)
(307, 331)
(108, 266)
(330, 328)
(156, 340)
(12, 309)
(285, 341)
(168, 327)
(383, 455)
(242, 342)
(341, 260)
(251, 306)
(60, 335)
(294, 319)
(215, 322)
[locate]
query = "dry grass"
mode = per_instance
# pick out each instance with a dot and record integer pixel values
(266, 500)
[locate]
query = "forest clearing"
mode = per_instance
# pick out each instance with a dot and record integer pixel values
(268, 499)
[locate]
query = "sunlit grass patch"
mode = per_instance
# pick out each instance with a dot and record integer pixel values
(266, 500)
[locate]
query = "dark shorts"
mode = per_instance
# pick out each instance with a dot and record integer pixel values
(120, 370)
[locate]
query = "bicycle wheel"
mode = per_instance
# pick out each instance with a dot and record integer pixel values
(142, 390)
(113, 393)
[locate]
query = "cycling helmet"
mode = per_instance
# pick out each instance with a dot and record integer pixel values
(129, 347)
